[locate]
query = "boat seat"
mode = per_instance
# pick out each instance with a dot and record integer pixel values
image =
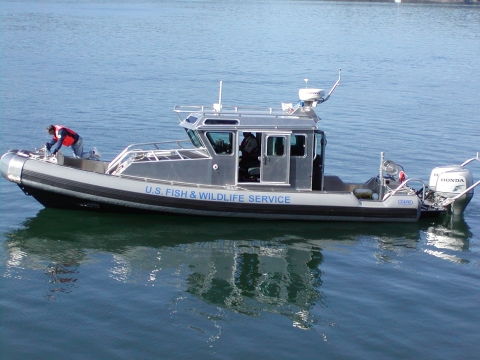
(254, 171)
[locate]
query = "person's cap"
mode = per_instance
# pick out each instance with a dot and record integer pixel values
(50, 128)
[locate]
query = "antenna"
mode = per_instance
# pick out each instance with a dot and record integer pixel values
(220, 94)
(306, 83)
(218, 107)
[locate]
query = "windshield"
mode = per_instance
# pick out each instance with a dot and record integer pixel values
(193, 136)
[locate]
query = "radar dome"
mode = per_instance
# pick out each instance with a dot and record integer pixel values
(311, 94)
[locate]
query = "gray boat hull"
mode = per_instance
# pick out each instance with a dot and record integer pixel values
(60, 186)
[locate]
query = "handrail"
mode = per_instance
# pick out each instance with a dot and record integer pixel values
(114, 165)
(234, 110)
(130, 149)
(155, 143)
(403, 185)
(448, 201)
(472, 159)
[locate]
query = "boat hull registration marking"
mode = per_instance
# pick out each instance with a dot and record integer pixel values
(213, 196)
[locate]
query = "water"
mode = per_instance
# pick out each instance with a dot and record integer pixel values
(88, 285)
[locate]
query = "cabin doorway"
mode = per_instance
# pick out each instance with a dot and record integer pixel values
(275, 158)
(319, 160)
(272, 162)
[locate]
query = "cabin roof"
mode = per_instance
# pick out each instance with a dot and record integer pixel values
(238, 118)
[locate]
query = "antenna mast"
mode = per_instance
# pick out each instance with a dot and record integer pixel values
(218, 107)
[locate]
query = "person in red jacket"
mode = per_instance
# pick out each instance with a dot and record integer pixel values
(249, 151)
(65, 136)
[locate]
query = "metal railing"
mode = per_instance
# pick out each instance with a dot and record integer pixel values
(403, 187)
(472, 159)
(152, 151)
(449, 201)
(235, 110)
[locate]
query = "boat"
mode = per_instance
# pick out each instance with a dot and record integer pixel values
(201, 175)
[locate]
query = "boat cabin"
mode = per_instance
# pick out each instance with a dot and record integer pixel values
(289, 151)
(287, 148)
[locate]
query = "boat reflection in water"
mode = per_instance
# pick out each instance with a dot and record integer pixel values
(244, 266)
(448, 238)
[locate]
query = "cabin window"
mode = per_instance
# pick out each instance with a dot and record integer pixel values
(276, 146)
(220, 122)
(319, 140)
(297, 145)
(193, 136)
(221, 142)
(191, 119)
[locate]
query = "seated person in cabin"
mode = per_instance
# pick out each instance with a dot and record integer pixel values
(250, 151)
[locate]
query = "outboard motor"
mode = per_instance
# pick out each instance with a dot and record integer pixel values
(449, 182)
